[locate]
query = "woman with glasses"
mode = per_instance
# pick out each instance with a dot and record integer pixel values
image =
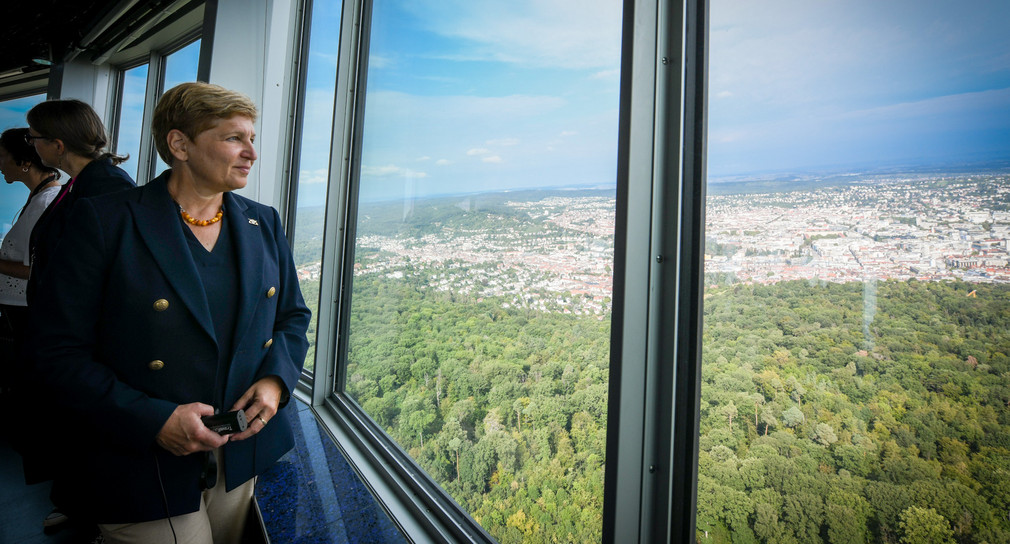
(69, 135)
(186, 304)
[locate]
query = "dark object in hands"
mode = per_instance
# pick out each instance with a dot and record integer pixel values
(227, 423)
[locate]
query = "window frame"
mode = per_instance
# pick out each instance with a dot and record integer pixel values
(116, 106)
(31, 84)
(289, 212)
(297, 124)
(650, 475)
(156, 65)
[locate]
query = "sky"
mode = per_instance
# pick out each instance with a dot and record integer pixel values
(474, 96)
(852, 84)
(467, 96)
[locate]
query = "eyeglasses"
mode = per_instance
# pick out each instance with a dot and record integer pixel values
(30, 140)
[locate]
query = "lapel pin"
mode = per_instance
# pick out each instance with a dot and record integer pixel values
(253, 222)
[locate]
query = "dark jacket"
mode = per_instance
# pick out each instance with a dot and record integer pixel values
(97, 178)
(125, 335)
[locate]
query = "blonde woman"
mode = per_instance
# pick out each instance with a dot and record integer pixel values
(186, 304)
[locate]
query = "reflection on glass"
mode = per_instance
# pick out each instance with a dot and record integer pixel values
(131, 117)
(13, 196)
(314, 155)
(180, 67)
(856, 336)
(480, 312)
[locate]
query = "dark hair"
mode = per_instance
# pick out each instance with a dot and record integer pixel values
(13, 140)
(192, 108)
(75, 124)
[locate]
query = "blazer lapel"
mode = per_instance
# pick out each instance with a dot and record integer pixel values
(157, 221)
(247, 235)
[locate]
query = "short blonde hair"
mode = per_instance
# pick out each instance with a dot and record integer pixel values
(193, 108)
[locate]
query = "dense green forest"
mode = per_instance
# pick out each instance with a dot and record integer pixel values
(835, 413)
(506, 409)
(820, 421)
(855, 413)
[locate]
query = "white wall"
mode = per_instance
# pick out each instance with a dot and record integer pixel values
(253, 53)
(86, 82)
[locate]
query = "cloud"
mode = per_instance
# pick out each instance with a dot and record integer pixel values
(503, 142)
(493, 159)
(380, 61)
(425, 158)
(932, 129)
(786, 54)
(395, 107)
(391, 170)
(834, 81)
(329, 59)
(318, 175)
(568, 34)
(569, 132)
(727, 136)
(994, 102)
(606, 74)
(443, 162)
(399, 127)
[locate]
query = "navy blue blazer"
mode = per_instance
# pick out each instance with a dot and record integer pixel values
(124, 334)
(99, 177)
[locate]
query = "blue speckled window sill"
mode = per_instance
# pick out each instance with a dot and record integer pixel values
(313, 495)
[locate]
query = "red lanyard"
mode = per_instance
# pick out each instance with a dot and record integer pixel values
(70, 185)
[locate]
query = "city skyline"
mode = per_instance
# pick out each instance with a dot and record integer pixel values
(552, 252)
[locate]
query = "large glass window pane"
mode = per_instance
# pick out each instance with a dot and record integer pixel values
(857, 331)
(180, 67)
(13, 196)
(314, 156)
(479, 325)
(131, 117)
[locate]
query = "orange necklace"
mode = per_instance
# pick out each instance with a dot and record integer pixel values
(201, 222)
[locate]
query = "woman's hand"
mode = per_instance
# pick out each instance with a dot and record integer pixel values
(260, 403)
(184, 433)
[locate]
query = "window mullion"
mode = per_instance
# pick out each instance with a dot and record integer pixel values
(145, 159)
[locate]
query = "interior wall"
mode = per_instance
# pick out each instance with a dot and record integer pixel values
(84, 81)
(243, 29)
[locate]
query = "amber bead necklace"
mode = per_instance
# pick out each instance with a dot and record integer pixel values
(200, 222)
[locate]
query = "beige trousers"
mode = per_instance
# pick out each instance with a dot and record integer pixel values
(220, 520)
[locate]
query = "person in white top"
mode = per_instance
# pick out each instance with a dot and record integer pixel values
(20, 162)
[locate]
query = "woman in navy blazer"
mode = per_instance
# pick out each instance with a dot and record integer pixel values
(165, 304)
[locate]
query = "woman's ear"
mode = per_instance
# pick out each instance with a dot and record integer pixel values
(177, 142)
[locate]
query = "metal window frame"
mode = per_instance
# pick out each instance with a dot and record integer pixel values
(650, 475)
(115, 113)
(297, 119)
